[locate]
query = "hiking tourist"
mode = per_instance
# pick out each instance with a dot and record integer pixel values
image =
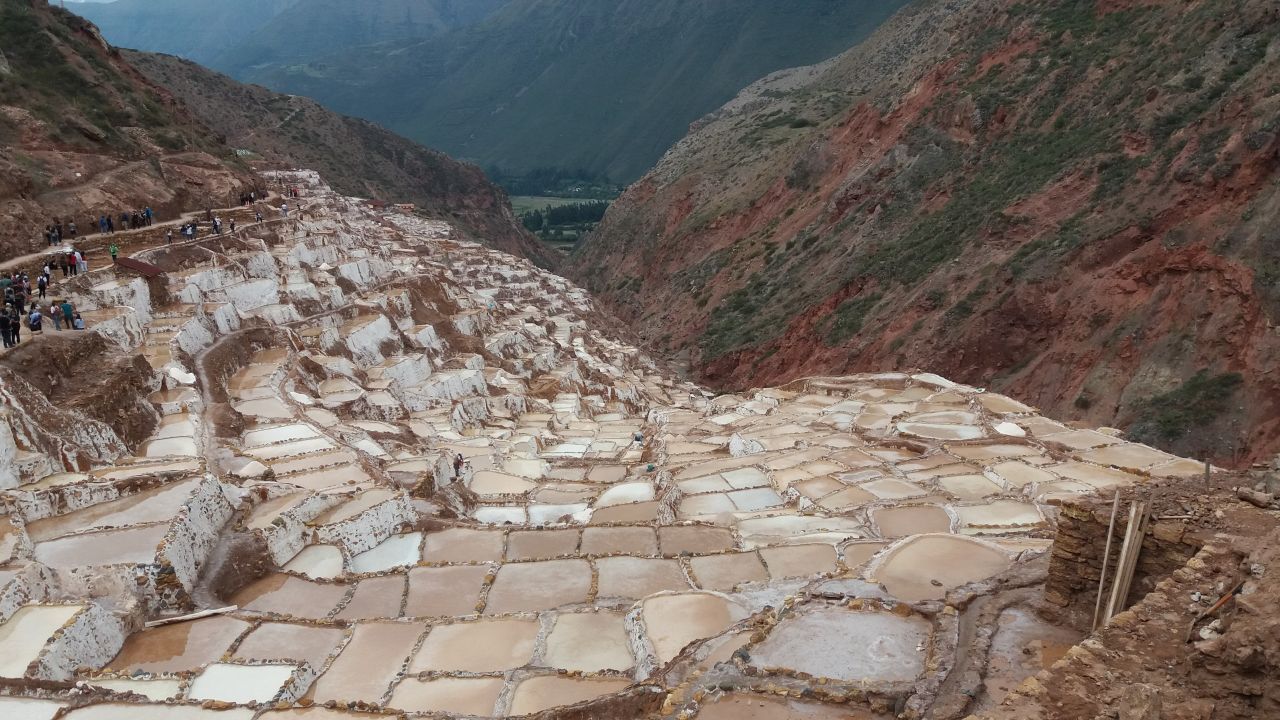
(77, 323)
(15, 326)
(114, 250)
(68, 312)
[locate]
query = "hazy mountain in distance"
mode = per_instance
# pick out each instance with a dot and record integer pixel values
(315, 28)
(603, 86)
(234, 35)
(194, 29)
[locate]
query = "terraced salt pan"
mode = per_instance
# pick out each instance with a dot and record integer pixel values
(845, 645)
(588, 642)
(28, 708)
(906, 520)
(170, 447)
(240, 684)
(396, 551)
(266, 408)
(487, 482)
(279, 434)
(318, 561)
(179, 647)
(457, 695)
(938, 431)
(998, 515)
(287, 595)
(911, 567)
(481, 646)
(135, 546)
(125, 711)
(369, 662)
(673, 621)
(285, 641)
(24, 635)
(159, 689)
(267, 453)
(154, 505)
(536, 694)
(626, 493)
(353, 507)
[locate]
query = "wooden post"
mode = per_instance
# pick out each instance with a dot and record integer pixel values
(1106, 558)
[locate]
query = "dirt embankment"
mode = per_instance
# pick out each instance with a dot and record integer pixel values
(84, 372)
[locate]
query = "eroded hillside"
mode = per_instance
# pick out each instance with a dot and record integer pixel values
(1075, 202)
(84, 133)
(356, 156)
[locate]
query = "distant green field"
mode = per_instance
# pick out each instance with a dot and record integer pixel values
(528, 203)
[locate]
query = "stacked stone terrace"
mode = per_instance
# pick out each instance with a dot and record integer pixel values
(615, 537)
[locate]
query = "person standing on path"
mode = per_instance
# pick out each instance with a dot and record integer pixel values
(68, 312)
(5, 333)
(82, 264)
(15, 326)
(114, 250)
(168, 236)
(42, 283)
(55, 314)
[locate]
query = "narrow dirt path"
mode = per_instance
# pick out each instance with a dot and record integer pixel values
(138, 239)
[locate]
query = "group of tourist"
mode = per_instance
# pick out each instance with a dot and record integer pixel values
(56, 232)
(22, 309)
(71, 260)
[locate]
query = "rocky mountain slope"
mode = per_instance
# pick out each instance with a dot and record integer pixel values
(1073, 202)
(84, 133)
(356, 156)
(89, 129)
(598, 86)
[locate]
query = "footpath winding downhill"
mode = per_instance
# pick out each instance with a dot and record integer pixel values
(135, 240)
(400, 474)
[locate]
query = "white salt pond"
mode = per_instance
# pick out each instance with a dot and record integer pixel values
(240, 683)
(26, 633)
(396, 551)
(317, 562)
(847, 645)
(28, 708)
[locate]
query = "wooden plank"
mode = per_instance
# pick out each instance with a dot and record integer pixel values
(1128, 560)
(1106, 558)
(192, 616)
